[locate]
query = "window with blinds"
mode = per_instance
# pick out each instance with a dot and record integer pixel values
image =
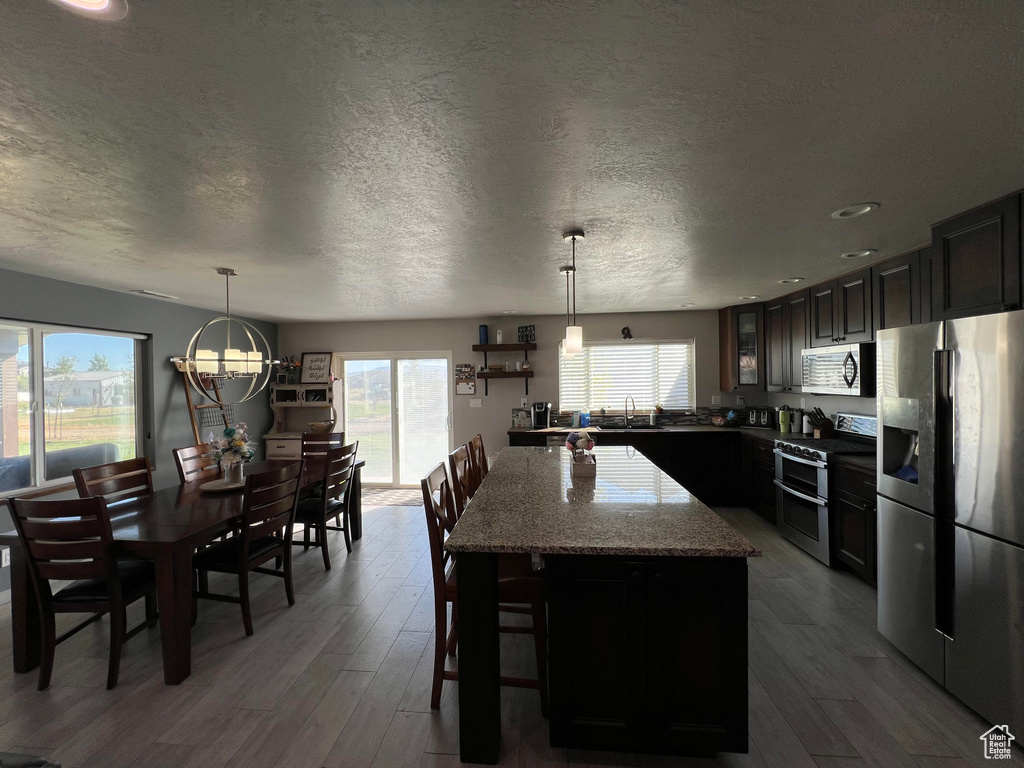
(604, 374)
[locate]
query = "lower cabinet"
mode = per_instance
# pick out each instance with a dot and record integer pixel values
(648, 654)
(759, 476)
(854, 536)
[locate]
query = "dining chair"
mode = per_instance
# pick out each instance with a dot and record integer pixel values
(315, 446)
(71, 540)
(479, 456)
(460, 464)
(268, 513)
(195, 463)
(333, 501)
(518, 586)
(115, 481)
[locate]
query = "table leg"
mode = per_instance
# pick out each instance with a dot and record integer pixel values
(479, 658)
(355, 508)
(24, 613)
(174, 593)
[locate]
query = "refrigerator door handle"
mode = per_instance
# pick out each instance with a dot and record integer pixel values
(952, 402)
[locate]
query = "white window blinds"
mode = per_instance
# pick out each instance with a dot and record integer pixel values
(604, 374)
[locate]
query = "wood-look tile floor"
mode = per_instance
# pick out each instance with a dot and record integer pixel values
(342, 679)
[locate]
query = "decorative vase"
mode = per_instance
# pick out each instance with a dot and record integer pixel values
(232, 471)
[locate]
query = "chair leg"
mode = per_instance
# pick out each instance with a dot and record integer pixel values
(440, 641)
(243, 596)
(151, 611)
(540, 644)
(48, 627)
(343, 524)
(305, 537)
(321, 534)
(289, 588)
(117, 630)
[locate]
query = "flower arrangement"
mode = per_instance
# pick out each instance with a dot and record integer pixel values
(233, 446)
(289, 367)
(579, 443)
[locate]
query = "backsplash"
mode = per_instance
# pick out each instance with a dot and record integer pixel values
(701, 416)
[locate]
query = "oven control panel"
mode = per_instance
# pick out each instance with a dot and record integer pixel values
(799, 450)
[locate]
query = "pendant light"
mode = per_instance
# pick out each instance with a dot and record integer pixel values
(573, 332)
(208, 370)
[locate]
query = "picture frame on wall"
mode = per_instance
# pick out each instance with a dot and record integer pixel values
(316, 368)
(527, 333)
(465, 379)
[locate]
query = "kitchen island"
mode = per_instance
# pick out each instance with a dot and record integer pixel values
(647, 603)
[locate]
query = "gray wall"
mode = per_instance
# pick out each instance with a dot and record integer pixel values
(492, 420)
(170, 325)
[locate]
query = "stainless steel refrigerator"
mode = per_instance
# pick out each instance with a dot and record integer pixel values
(951, 506)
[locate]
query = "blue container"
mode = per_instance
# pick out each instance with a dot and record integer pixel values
(483, 334)
(585, 419)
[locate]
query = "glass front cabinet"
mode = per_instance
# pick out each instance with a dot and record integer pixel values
(741, 338)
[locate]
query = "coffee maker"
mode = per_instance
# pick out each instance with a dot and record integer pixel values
(541, 415)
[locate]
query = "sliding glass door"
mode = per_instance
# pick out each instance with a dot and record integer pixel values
(398, 408)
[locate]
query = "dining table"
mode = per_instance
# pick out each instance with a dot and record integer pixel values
(646, 591)
(166, 526)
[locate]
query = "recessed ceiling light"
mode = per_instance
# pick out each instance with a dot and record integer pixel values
(153, 294)
(101, 10)
(748, 298)
(510, 312)
(786, 280)
(853, 211)
(857, 254)
(684, 306)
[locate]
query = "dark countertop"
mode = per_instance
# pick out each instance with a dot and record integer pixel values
(642, 427)
(866, 461)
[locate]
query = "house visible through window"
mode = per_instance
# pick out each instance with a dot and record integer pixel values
(605, 373)
(67, 399)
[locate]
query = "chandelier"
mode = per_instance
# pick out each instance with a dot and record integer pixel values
(208, 370)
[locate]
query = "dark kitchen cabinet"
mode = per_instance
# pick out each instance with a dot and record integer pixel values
(785, 340)
(896, 288)
(840, 310)
(976, 261)
(648, 654)
(855, 534)
(758, 465)
(741, 348)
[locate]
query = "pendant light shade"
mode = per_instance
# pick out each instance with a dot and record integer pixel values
(573, 339)
(573, 344)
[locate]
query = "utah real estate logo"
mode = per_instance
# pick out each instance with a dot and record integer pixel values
(997, 742)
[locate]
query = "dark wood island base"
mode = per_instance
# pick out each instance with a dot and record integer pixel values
(648, 654)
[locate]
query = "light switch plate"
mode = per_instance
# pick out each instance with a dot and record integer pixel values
(716, 399)
(803, 403)
(6, 558)
(524, 403)
(476, 402)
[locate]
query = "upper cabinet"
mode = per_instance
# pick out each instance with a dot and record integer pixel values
(786, 326)
(976, 261)
(741, 348)
(896, 285)
(840, 310)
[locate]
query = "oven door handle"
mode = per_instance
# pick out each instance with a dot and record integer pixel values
(804, 496)
(808, 462)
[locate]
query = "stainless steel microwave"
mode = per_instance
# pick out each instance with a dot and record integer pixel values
(848, 369)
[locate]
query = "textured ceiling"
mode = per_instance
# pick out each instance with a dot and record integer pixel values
(420, 159)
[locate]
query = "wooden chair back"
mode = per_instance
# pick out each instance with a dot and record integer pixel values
(341, 465)
(462, 478)
(68, 539)
(440, 512)
(479, 456)
(268, 506)
(195, 463)
(115, 481)
(315, 445)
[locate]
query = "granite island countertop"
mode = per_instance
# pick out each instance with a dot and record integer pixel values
(529, 502)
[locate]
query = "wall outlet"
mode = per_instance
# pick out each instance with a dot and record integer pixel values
(716, 399)
(6, 558)
(476, 402)
(524, 403)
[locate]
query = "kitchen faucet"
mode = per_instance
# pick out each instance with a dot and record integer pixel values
(626, 416)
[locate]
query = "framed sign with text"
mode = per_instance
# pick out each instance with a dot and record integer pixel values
(316, 368)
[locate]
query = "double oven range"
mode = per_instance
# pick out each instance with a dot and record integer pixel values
(802, 500)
